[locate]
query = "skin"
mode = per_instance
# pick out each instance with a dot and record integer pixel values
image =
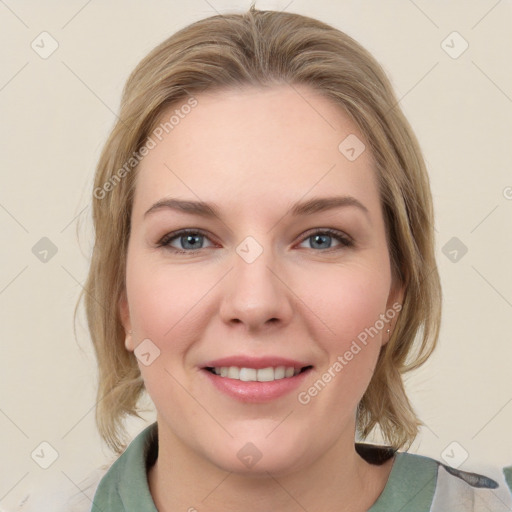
(254, 153)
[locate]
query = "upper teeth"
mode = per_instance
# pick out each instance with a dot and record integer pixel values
(253, 374)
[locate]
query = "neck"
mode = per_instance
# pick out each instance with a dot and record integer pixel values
(339, 480)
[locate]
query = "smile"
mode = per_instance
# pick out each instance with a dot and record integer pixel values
(268, 374)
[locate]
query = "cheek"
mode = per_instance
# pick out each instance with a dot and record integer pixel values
(162, 298)
(162, 301)
(349, 300)
(350, 305)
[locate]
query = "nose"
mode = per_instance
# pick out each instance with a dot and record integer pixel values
(255, 293)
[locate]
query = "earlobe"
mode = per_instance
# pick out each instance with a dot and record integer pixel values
(128, 342)
(124, 314)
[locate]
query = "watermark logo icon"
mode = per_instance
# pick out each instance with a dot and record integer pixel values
(351, 147)
(44, 250)
(249, 249)
(454, 45)
(44, 455)
(454, 454)
(249, 455)
(454, 249)
(146, 352)
(44, 45)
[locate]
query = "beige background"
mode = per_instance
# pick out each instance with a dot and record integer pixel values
(55, 115)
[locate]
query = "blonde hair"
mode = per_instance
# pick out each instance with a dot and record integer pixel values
(263, 48)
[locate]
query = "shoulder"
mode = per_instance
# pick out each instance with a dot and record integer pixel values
(453, 489)
(126, 480)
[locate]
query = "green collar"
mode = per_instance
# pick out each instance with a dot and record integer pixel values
(411, 484)
(125, 486)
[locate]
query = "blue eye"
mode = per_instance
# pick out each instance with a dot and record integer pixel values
(322, 237)
(191, 240)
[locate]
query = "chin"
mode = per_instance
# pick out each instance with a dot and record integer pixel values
(258, 455)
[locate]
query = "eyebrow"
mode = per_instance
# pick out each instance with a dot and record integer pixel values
(208, 210)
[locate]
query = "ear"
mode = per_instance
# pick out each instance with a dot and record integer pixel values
(124, 314)
(396, 295)
(393, 307)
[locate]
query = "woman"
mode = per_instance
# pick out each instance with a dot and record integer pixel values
(264, 267)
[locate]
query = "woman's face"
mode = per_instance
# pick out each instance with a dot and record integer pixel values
(291, 271)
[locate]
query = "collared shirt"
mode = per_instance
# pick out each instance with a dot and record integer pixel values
(415, 484)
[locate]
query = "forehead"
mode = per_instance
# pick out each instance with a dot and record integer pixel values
(261, 146)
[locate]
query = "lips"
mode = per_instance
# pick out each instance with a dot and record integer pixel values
(258, 379)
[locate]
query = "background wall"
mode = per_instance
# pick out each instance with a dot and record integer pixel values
(63, 65)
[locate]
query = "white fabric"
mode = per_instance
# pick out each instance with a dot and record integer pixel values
(453, 494)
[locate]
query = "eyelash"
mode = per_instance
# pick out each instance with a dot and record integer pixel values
(345, 240)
